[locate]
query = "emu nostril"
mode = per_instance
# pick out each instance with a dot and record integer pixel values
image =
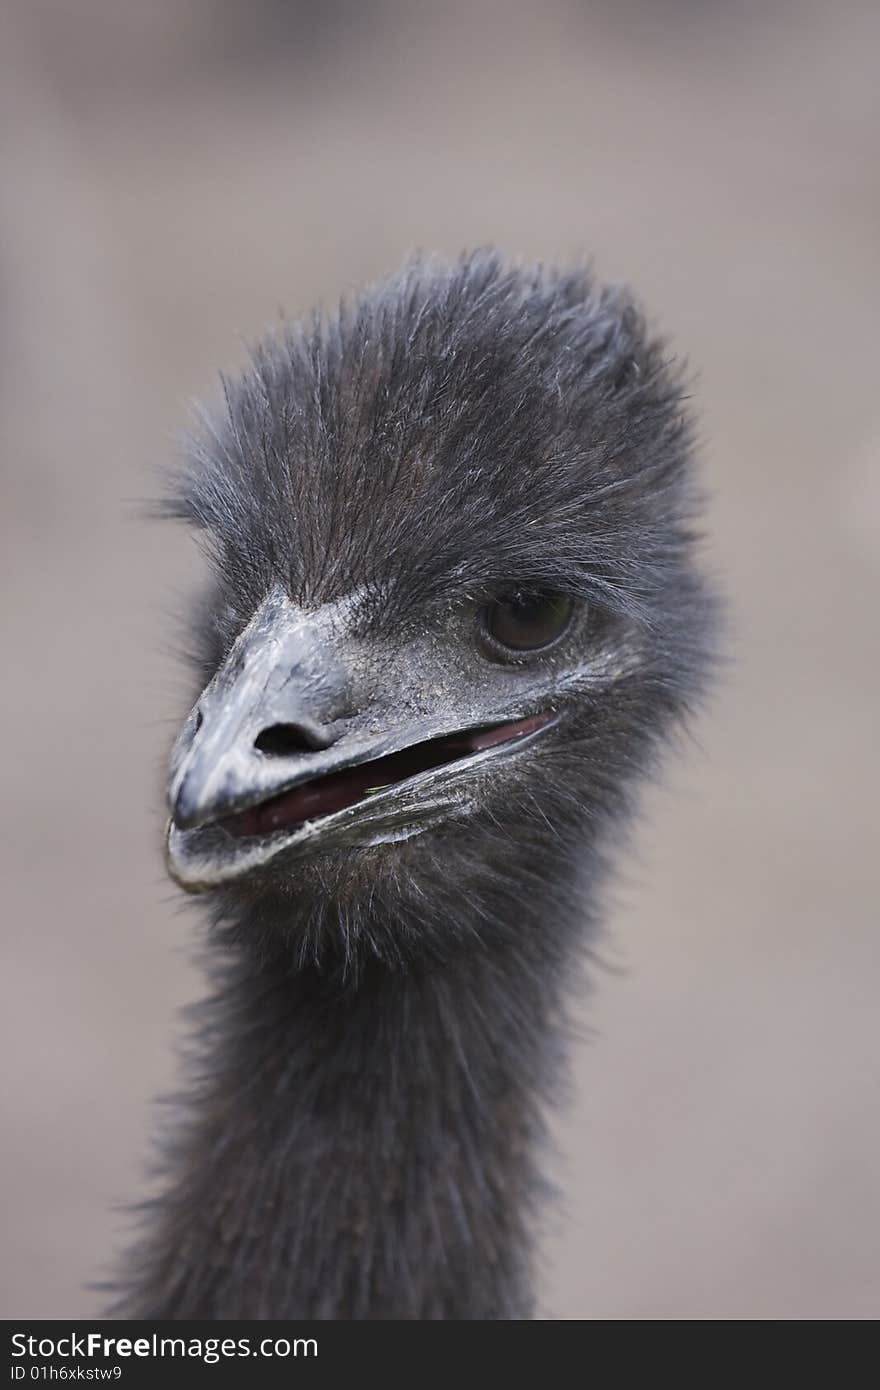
(286, 740)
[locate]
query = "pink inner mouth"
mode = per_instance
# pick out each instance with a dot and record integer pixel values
(323, 796)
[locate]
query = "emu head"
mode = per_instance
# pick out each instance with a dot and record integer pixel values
(454, 599)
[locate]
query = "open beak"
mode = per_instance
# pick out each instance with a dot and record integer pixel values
(277, 751)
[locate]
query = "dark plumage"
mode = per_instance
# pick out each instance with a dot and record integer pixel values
(360, 1135)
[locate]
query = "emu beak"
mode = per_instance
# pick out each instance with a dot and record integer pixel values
(281, 749)
(264, 722)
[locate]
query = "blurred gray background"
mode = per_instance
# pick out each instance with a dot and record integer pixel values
(173, 174)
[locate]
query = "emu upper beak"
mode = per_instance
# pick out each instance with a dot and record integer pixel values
(279, 749)
(268, 719)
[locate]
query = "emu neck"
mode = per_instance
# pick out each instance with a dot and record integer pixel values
(360, 1150)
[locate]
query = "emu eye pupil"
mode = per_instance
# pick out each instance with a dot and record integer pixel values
(526, 622)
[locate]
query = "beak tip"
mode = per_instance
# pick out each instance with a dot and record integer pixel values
(183, 807)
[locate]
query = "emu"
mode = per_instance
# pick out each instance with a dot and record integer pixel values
(455, 611)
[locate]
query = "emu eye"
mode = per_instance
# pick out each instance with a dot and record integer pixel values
(527, 622)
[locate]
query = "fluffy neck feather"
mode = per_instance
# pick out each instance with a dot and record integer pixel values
(362, 1149)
